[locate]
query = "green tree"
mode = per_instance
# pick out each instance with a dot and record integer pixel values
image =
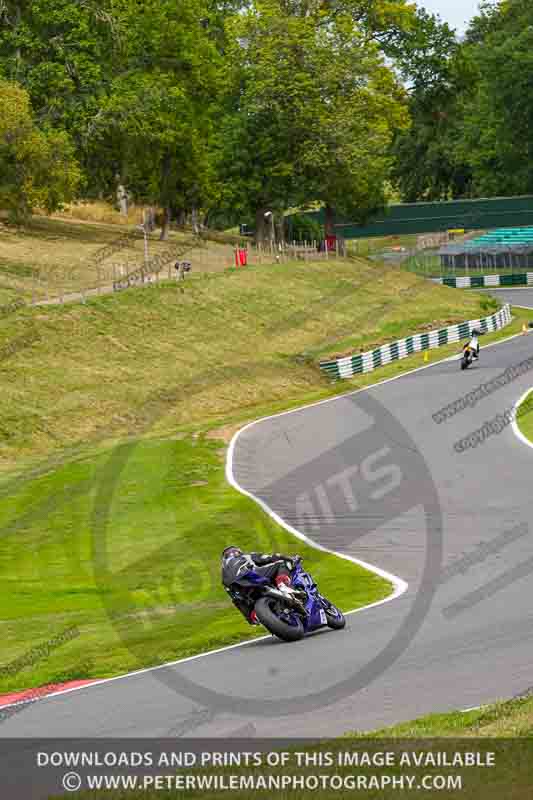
(471, 124)
(428, 162)
(63, 53)
(37, 166)
(161, 106)
(312, 107)
(132, 83)
(498, 112)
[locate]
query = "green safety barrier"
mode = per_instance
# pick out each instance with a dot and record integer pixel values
(348, 366)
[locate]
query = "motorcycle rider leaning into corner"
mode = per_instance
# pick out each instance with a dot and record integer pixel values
(276, 566)
(474, 343)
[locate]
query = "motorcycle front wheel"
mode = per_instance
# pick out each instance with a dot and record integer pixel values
(288, 627)
(335, 618)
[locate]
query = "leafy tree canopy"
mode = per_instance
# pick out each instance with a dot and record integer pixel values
(37, 166)
(311, 106)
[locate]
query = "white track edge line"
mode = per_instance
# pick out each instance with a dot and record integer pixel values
(394, 579)
(516, 430)
(400, 586)
(376, 570)
(500, 288)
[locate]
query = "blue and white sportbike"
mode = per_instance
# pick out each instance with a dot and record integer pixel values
(290, 615)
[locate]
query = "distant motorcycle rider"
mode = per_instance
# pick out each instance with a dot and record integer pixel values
(474, 343)
(235, 564)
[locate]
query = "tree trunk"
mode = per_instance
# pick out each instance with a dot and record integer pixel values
(166, 197)
(122, 200)
(150, 219)
(280, 229)
(194, 219)
(261, 230)
(264, 227)
(179, 216)
(167, 216)
(329, 223)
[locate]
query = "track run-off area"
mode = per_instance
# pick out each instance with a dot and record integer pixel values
(373, 476)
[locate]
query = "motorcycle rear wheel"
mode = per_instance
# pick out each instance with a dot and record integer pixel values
(273, 623)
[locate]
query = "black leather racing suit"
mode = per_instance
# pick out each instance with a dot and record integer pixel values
(271, 566)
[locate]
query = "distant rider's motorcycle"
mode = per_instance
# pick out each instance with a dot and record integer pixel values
(290, 616)
(468, 357)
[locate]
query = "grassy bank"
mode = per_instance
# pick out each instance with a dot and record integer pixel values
(51, 256)
(207, 354)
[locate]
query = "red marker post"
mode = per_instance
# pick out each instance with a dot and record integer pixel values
(241, 257)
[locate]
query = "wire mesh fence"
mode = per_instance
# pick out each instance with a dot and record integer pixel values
(441, 255)
(131, 263)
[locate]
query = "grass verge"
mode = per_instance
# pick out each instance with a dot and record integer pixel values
(525, 416)
(487, 755)
(512, 718)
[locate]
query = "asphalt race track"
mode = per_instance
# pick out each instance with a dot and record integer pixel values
(373, 475)
(517, 297)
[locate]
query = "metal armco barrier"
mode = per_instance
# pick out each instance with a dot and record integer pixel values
(342, 368)
(486, 281)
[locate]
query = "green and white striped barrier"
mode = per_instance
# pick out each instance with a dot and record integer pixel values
(349, 366)
(490, 281)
